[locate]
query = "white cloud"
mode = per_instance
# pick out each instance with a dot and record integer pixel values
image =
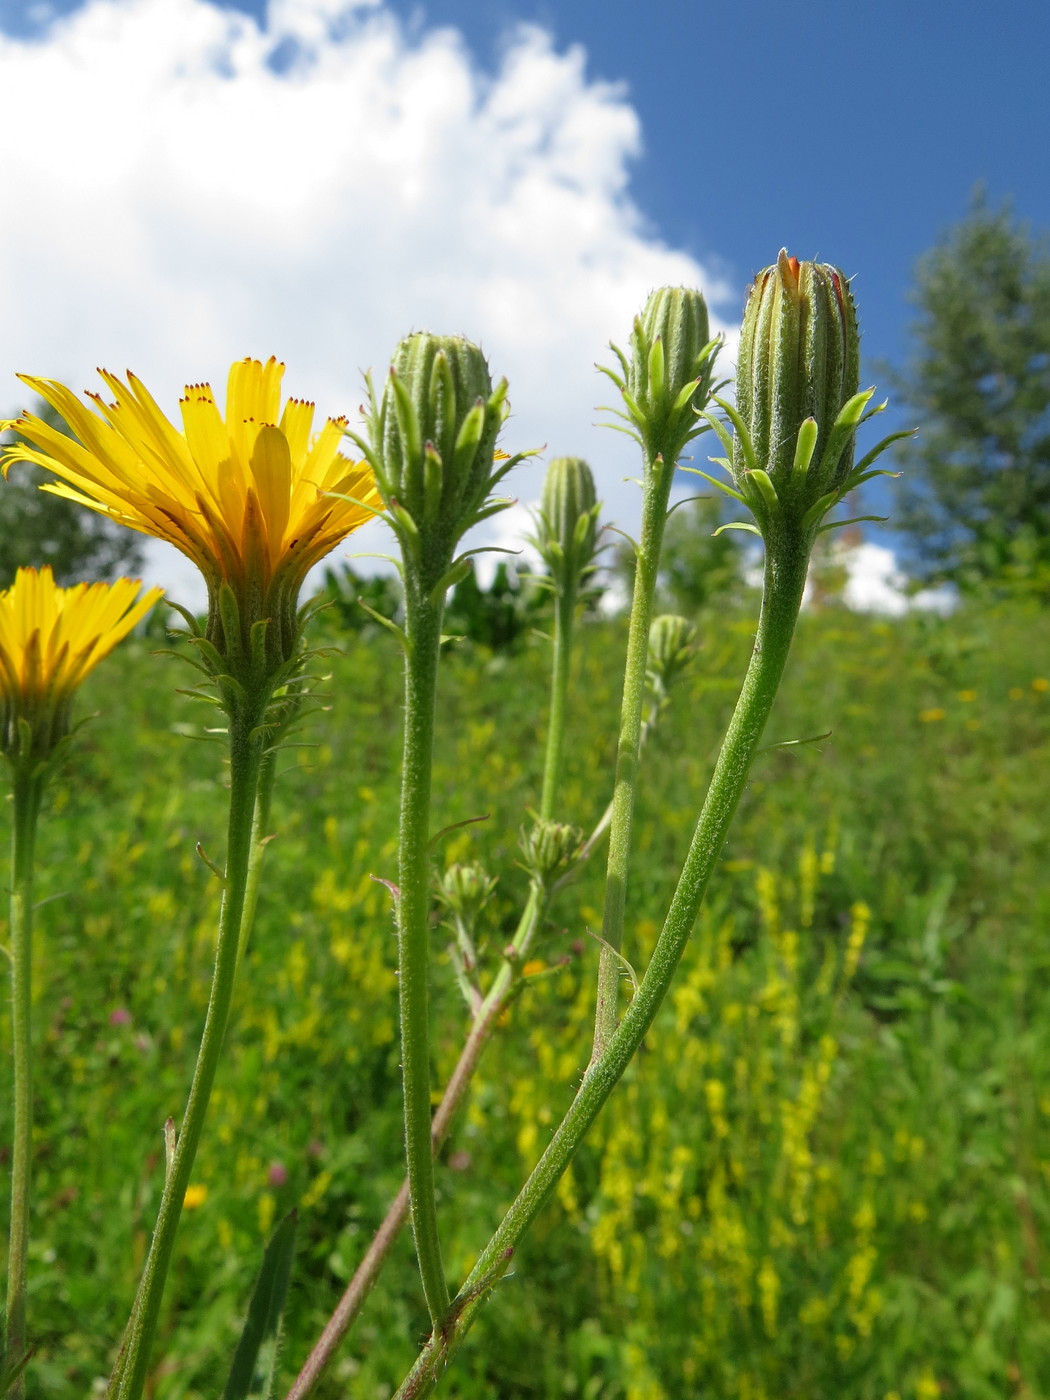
(876, 584)
(185, 187)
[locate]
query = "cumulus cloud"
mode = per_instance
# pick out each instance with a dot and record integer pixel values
(876, 584)
(186, 186)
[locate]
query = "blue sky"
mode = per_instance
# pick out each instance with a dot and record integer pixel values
(850, 133)
(316, 176)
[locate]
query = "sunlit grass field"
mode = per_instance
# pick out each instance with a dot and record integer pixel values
(827, 1176)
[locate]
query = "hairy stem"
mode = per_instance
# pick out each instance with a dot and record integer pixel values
(28, 790)
(259, 842)
(784, 582)
(658, 477)
(485, 1020)
(564, 609)
(423, 628)
(245, 763)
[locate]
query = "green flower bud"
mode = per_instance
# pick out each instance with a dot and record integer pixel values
(432, 440)
(567, 525)
(550, 849)
(797, 399)
(672, 646)
(464, 890)
(667, 381)
(797, 405)
(799, 358)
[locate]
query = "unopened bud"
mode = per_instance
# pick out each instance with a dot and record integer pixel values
(672, 646)
(550, 849)
(432, 442)
(797, 379)
(465, 890)
(667, 378)
(567, 524)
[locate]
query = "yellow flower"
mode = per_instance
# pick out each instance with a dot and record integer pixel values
(249, 499)
(50, 638)
(931, 716)
(195, 1196)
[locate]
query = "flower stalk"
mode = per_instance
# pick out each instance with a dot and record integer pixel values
(800, 329)
(28, 788)
(431, 445)
(566, 538)
(423, 634)
(664, 385)
(568, 516)
(246, 756)
(50, 638)
(784, 583)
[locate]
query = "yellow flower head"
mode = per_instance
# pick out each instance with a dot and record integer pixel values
(50, 638)
(247, 498)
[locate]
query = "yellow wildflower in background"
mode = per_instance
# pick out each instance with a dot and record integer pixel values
(248, 499)
(50, 638)
(196, 1195)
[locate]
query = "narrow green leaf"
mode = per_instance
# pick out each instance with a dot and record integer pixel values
(733, 414)
(459, 570)
(880, 447)
(765, 485)
(722, 485)
(853, 520)
(386, 622)
(252, 1372)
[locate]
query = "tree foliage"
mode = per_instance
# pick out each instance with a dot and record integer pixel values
(976, 497)
(37, 528)
(698, 567)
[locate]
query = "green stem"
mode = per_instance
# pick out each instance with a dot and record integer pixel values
(564, 609)
(784, 582)
(260, 840)
(28, 791)
(658, 476)
(484, 1021)
(423, 631)
(245, 764)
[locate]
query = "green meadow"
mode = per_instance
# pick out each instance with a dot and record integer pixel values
(827, 1175)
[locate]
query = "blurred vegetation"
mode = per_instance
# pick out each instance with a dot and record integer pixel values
(37, 528)
(698, 568)
(498, 617)
(828, 1173)
(501, 616)
(976, 498)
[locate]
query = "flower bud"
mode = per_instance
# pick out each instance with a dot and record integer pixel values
(433, 437)
(550, 849)
(465, 890)
(672, 646)
(797, 368)
(567, 525)
(667, 380)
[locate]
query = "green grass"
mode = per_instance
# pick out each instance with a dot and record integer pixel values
(817, 1183)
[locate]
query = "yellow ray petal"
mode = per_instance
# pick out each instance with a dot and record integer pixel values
(272, 470)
